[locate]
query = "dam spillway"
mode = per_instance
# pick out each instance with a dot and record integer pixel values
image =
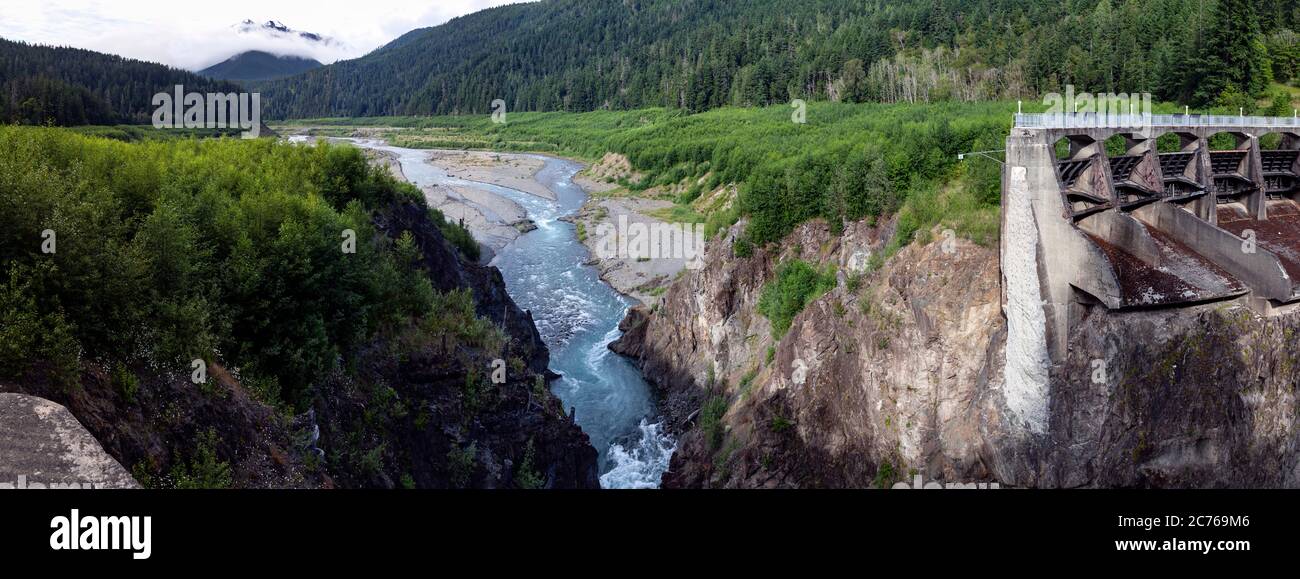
(1139, 226)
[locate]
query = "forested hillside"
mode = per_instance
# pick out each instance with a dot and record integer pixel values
(70, 86)
(579, 55)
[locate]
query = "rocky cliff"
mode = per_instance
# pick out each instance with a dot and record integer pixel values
(898, 372)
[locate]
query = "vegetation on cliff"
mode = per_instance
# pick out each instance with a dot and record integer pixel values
(797, 283)
(177, 251)
(317, 280)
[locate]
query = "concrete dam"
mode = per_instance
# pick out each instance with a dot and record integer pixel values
(1168, 222)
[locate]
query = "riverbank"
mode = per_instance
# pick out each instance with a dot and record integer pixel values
(512, 170)
(644, 280)
(496, 221)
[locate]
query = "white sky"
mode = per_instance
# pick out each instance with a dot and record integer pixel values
(195, 34)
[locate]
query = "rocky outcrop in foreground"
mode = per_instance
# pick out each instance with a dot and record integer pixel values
(43, 446)
(898, 372)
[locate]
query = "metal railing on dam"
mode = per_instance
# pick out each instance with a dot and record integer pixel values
(1102, 120)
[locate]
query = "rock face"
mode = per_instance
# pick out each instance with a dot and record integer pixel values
(898, 371)
(43, 446)
(421, 420)
(156, 431)
(1197, 397)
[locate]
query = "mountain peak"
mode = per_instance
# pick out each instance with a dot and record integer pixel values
(278, 29)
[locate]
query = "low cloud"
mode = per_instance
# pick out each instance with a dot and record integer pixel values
(197, 35)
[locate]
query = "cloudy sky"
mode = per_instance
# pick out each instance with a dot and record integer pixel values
(196, 34)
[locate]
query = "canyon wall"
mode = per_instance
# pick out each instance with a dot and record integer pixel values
(900, 371)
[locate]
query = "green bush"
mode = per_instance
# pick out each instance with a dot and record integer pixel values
(711, 425)
(461, 463)
(452, 320)
(747, 381)
(527, 477)
(885, 476)
(125, 382)
(29, 334)
(743, 248)
(175, 250)
(796, 285)
(457, 234)
(204, 470)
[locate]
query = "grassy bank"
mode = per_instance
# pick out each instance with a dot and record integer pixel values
(846, 162)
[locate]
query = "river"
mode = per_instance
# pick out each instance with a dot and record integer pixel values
(577, 315)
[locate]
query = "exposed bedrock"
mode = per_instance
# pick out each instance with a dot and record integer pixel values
(899, 371)
(43, 446)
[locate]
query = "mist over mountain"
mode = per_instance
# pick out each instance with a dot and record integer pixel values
(276, 29)
(270, 50)
(258, 65)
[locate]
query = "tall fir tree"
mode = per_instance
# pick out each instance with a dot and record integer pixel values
(1234, 58)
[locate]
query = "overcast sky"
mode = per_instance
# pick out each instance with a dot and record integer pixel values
(195, 34)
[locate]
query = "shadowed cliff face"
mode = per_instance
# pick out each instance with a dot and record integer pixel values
(1197, 397)
(440, 428)
(406, 413)
(898, 372)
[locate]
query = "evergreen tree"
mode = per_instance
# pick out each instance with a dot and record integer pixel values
(68, 86)
(1234, 58)
(580, 55)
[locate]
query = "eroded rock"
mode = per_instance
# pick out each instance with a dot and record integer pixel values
(899, 371)
(43, 446)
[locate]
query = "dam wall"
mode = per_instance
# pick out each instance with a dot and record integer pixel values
(1136, 213)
